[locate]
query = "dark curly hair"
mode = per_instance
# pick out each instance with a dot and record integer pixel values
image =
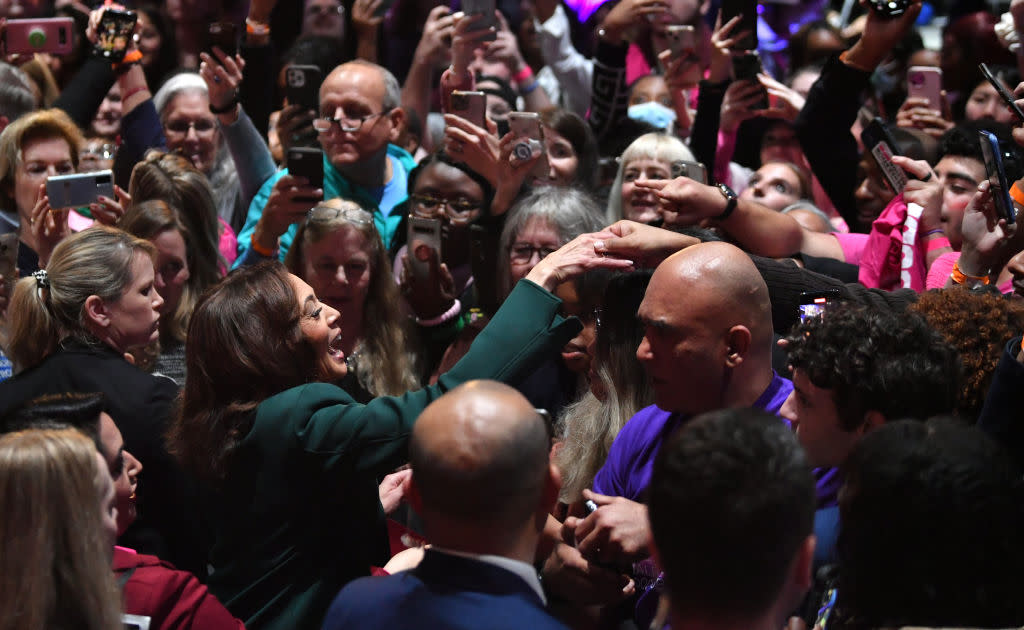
(930, 531)
(978, 325)
(873, 360)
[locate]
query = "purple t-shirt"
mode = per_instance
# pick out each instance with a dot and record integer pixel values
(627, 471)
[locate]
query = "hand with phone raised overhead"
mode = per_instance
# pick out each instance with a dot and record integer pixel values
(469, 143)
(738, 105)
(881, 35)
(512, 171)
(433, 46)
(468, 36)
(622, 22)
(223, 76)
(989, 242)
(288, 203)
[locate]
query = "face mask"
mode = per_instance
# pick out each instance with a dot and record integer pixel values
(653, 113)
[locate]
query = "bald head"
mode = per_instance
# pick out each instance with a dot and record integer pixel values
(708, 329)
(479, 454)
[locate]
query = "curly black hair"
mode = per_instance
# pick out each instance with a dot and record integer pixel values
(874, 360)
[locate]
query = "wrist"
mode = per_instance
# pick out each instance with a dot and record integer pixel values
(971, 266)
(263, 242)
(229, 117)
(859, 58)
(544, 277)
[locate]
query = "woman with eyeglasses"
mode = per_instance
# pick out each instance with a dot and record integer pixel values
(338, 252)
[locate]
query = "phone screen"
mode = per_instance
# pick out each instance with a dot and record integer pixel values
(817, 303)
(114, 33)
(998, 185)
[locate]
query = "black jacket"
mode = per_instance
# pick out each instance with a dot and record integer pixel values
(168, 524)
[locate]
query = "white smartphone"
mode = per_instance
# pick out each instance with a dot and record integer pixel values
(80, 189)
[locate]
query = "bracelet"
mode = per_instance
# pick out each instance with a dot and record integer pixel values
(935, 231)
(528, 89)
(844, 57)
(259, 249)
(446, 316)
(1016, 193)
(226, 108)
(523, 75)
(132, 92)
(959, 277)
(132, 57)
(937, 243)
(252, 27)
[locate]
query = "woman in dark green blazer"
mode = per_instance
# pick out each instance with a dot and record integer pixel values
(292, 459)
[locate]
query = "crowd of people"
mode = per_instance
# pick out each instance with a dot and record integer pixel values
(394, 314)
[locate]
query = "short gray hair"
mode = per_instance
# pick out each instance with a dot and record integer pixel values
(392, 89)
(569, 211)
(178, 84)
(16, 96)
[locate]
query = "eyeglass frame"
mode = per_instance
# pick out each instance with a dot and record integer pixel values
(332, 121)
(533, 250)
(449, 211)
(359, 216)
(104, 151)
(191, 125)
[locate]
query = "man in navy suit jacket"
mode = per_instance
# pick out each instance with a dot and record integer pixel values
(483, 484)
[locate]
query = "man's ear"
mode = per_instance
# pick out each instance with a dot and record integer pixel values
(96, 312)
(397, 118)
(872, 421)
(737, 345)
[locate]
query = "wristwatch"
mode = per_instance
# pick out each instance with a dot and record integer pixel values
(730, 201)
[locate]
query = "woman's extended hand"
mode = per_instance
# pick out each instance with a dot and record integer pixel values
(109, 211)
(223, 76)
(574, 258)
(466, 142)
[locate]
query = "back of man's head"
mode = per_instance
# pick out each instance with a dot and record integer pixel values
(16, 97)
(731, 505)
(480, 459)
(873, 360)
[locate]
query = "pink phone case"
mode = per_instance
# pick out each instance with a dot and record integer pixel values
(926, 82)
(42, 35)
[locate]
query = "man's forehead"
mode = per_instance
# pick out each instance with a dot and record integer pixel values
(354, 81)
(961, 165)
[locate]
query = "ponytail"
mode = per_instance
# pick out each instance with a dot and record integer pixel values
(32, 332)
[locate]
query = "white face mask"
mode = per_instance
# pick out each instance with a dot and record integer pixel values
(653, 113)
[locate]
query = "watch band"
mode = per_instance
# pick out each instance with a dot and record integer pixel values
(731, 201)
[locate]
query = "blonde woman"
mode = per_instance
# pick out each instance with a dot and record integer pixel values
(649, 157)
(338, 251)
(57, 527)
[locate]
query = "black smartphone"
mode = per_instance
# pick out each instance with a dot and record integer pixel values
(879, 142)
(302, 86)
(223, 35)
(1003, 92)
(999, 186)
(746, 67)
(309, 163)
(114, 32)
(748, 9)
(889, 9)
(817, 303)
(485, 8)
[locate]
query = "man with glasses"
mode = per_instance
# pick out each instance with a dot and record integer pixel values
(359, 118)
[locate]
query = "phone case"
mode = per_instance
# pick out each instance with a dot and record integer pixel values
(112, 36)
(309, 163)
(80, 189)
(44, 35)
(999, 186)
(925, 82)
(1005, 94)
(748, 8)
(485, 8)
(746, 68)
(426, 232)
(694, 170)
(224, 35)
(302, 86)
(471, 106)
(527, 126)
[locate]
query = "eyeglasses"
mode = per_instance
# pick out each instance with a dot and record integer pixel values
(348, 124)
(323, 214)
(104, 151)
(523, 252)
(459, 210)
(203, 126)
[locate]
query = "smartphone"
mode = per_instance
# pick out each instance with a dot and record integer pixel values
(926, 82)
(817, 303)
(471, 106)
(682, 39)
(384, 7)
(307, 162)
(994, 170)
(889, 8)
(746, 67)
(80, 189)
(694, 170)
(223, 35)
(422, 233)
(44, 35)
(1003, 92)
(302, 86)
(114, 33)
(485, 8)
(748, 9)
(9, 260)
(879, 142)
(528, 129)
(135, 622)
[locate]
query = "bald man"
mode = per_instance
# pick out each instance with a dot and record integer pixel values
(361, 115)
(483, 484)
(706, 346)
